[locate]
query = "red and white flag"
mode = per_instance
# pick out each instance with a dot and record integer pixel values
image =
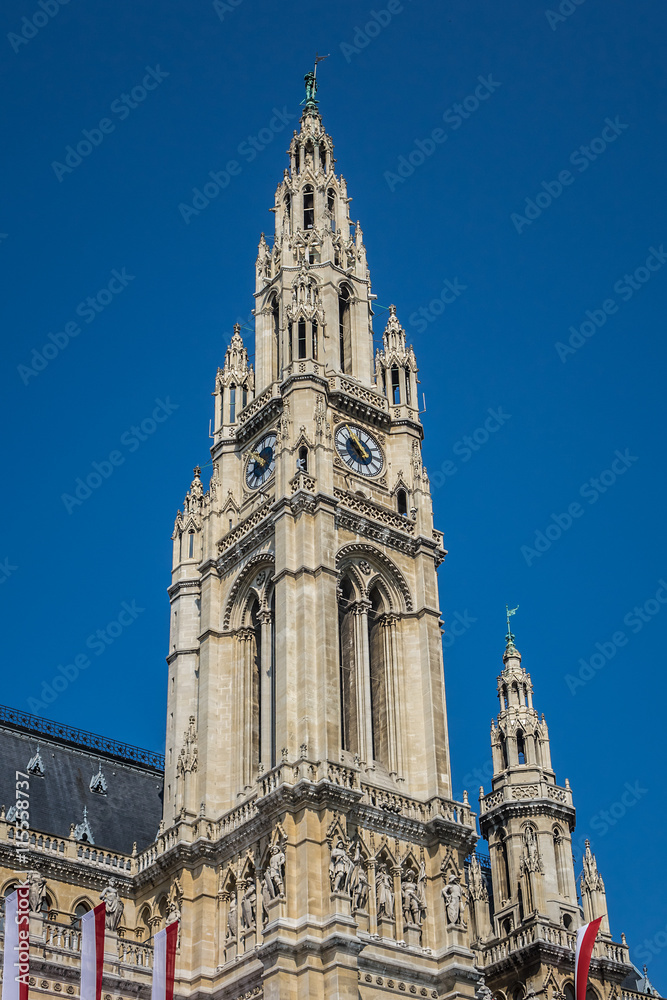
(164, 962)
(16, 960)
(586, 936)
(92, 952)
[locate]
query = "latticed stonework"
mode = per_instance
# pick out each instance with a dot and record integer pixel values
(309, 841)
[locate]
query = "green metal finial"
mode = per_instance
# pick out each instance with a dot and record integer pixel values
(310, 80)
(509, 638)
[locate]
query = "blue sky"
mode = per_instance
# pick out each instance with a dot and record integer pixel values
(535, 234)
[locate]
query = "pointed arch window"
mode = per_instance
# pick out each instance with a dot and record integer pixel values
(256, 688)
(290, 343)
(395, 386)
(378, 678)
(402, 502)
(323, 157)
(275, 322)
(503, 751)
(344, 329)
(302, 461)
(288, 210)
(314, 338)
(191, 544)
(560, 856)
(331, 207)
(308, 207)
(408, 392)
(347, 669)
(521, 747)
(302, 338)
(232, 404)
(244, 397)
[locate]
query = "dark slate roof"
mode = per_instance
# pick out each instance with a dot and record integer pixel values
(129, 811)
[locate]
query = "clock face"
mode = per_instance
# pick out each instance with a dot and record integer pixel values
(261, 462)
(359, 450)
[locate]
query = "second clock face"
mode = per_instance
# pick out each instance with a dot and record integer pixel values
(359, 450)
(261, 462)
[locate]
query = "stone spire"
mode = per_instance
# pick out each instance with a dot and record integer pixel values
(593, 895)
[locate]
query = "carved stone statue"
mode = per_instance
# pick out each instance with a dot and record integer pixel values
(37, 893)
(173, 911)
(454, 900)
(249, 907)
(413, 909)
(232, 919)
(115, 905)
(531, 860)
(274, 876)
(340, 868)
(384, 891)
(358, 881)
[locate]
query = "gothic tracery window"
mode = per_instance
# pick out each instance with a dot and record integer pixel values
(344, 329)
(308, 207)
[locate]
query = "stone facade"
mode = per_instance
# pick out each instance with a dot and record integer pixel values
(309, 843)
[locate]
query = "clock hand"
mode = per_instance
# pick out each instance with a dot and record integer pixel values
(258, 458)
(362, 451)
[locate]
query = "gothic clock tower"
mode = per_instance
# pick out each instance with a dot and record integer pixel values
(308, 815)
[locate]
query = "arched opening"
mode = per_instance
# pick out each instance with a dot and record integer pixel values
(344, 330)
(408, 392)
(347, 668)
(302, 460)
(232, 404)
(308, 207)
(395, 386)
(9, 889)
(503, 868)
(191, 544)
(517, 992)
(560, 857)
(402, 502)
(288, 212)
(313, 328)
(331, 207)
(144, 925)
(503, 750)
(290, 342)
(567, 921)
(323, 157)
(302, 339)
(503, 695)
(378, 678)
(256, 687)
(507, 926)
(79, 910)
(275, 322)
(521, 747)
(568, 990)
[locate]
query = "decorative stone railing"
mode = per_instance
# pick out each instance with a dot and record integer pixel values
(255, 405)
(69, 848)
(338, 383)
(63, 937)
(531, 790)
(541, 931)
(374, 511)
(244, 528)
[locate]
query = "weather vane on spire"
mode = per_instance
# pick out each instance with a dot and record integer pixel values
(311, 82)
(509, 638)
